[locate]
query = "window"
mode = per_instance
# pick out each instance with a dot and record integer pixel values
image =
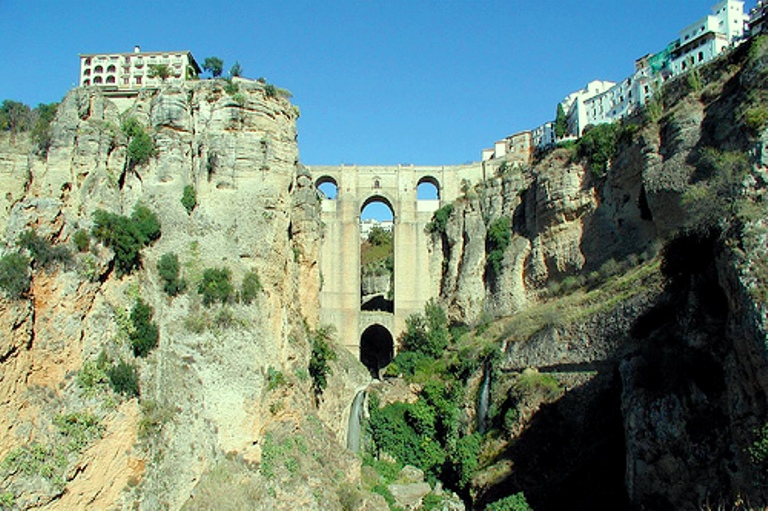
(98, 69)
(111, 69)
(138, 80)
(86, 82)
(110, 79)
(88, 62)
(87, 72)
(126, 80)
(97, 80)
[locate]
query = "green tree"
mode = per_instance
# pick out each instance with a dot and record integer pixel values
(378, 236)
(497, 240)
(319, 360)
(426, 333)
(124, 379)
(126, 236)
(236, 70)
(14, 117)
(213, 65)
(43, 116)
(561, 122)
(514, 502)
(598, 146)
(216, 286)
(440, 219)
(146, 222)
(144, 335)
(189, 198)
(162, 71)
(250, 287)
(140, 149)
(168, 267)
(14, 275)
(43, 253)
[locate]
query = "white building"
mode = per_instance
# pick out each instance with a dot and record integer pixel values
(704, 40)
(543, 136)
(132, 70)
(575, 105)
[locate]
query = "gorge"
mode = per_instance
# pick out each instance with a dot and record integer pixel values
(586, 335)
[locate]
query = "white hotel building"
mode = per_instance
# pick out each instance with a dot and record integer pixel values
(125, 71)
(701, 42)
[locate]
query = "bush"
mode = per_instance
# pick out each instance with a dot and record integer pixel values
(598, 146)
(124, 379)
(140, 149)
(79, 428)
(43, 253)
(426, 333)
(126, 236)
(216, 286)
(440, 219)
(82, 240)
(168, 268)
(144, 335)
(319, 361)
(270, 90)
(514, 502)
(41, 129)
(756, 118)
(14, 275)
(758, 451)
(497, 240)
(189, 198)
(250, 287)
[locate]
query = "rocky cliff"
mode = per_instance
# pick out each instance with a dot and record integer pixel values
(226, 411)
(668, 367)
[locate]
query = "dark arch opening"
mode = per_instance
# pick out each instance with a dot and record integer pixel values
(377, 256)
(328, 187)
(428, 188)
(376, 348)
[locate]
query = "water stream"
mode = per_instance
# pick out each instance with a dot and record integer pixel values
(355, 422)
(483, 400)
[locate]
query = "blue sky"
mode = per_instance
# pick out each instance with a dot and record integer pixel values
(378, 82)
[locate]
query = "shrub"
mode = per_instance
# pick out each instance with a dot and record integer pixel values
(598, 146)
(168, 268)
(531, 385)
(14, 275)
(124, 379)
(514, 502)
(270, 90)
(216, 286)
(319, 361)
(43, 253)
(82, 240)
(141, 147)
(426, 333)
(41, 129)
(497, 240)
(79, 428)
(189, 198)
(250, 287)
(758, 451)
(144, 335)
(275, 378)
(230, 87)
(440, 219)
(756, 118)
(126, 236)
(93, 375)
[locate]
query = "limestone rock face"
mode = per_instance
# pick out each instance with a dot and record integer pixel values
(223, 377)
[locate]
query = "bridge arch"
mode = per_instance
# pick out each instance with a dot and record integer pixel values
(328, 187)
(428, 187)
(378, 197)
(377, 348)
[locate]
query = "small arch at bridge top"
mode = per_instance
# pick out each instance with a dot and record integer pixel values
(377, 348)
(428, 188)
(328, 187)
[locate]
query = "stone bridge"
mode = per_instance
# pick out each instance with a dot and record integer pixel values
(371, 335)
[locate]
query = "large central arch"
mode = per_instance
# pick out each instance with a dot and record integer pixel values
(377, 347)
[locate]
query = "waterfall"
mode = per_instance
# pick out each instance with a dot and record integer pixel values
(483, 400)
(355, 422)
